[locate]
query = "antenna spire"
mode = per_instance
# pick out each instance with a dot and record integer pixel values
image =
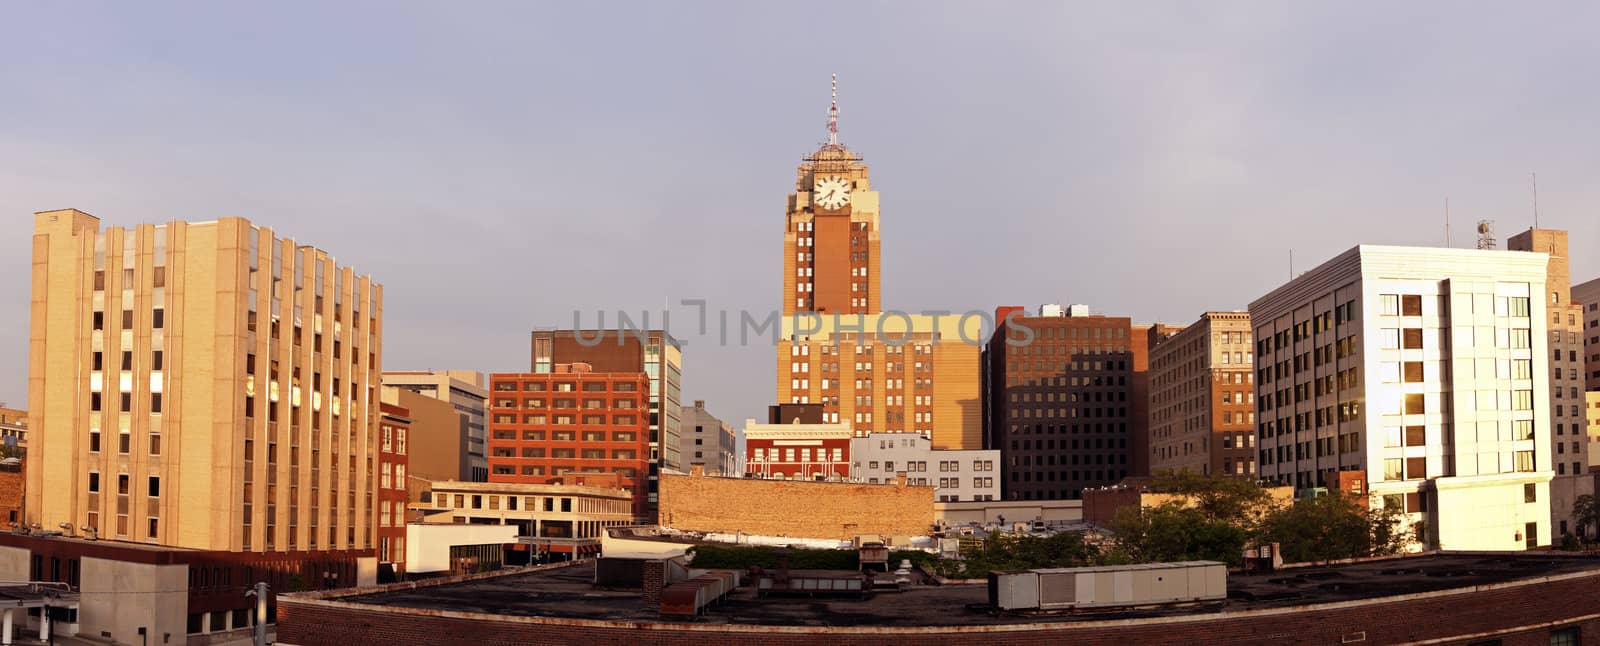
(1535, 200)
(833, 114)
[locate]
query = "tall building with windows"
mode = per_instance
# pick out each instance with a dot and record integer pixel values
(652, 352)
(887, 373)
(830, 237)
(204, 385)
(1570, 442)
(546, 427)
(466, 392)
(1067, 396)
(1418, 375)
(1202, 398)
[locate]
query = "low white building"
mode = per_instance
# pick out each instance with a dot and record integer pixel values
(958, 476)
(459, 548)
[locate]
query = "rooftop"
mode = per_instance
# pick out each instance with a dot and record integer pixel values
(566, 592)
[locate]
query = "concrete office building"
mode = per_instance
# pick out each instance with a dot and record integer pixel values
(466, 391)
(708, 442)
(888, 373)
(1420, 372)
(958, 476)
(204, 393)
(544, 426)
(1067, 397)
(1202, 398)
(653, 352)
(1570, 441)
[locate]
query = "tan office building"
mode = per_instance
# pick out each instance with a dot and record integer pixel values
(1202, 398)
(887, 373)
(467, 392)
(1587, 294)
(202, 385)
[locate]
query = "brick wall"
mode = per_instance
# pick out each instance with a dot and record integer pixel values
(1520, 613)
(11, 484)
(794, 508)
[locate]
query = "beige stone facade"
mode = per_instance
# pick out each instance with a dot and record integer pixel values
(890, 373)
(204, 385)
(830, 249)
(1202, 398)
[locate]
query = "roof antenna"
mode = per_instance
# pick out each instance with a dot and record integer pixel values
(1291, 264)
(1535, 200)
(1447, 222)
(833, 114)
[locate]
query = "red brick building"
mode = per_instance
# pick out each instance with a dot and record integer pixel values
(393, 426)
(795, 444)
(546, 426)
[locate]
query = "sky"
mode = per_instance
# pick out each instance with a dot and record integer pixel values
(499, 166)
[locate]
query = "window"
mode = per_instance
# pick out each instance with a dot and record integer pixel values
(1413, 371)
(1530, 493)
(1415, 404)
(1412, 338)
(1524, 461)
(1390, 304)
(1411, 305)
(155, 486)
(1564, 636)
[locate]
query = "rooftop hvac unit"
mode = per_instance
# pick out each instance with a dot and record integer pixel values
(1077, 310)
(1127, 586)
(1051, 309)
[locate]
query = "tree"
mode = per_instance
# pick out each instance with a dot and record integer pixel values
(1173, 531)
(1585, 513)
(1335, 526)
(1233, 500)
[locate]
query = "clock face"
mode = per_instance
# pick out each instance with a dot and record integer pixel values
(831, 192)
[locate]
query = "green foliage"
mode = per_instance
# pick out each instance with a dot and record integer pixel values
(1021, 552)
(741, 557)
(1333, 527)
(1231, 500)
(1569, 543)
(1172, 532)
(1586, 513)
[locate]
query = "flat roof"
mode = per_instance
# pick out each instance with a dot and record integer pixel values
(566, 592)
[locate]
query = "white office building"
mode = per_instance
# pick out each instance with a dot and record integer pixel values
(956, 475)
(1422, 374)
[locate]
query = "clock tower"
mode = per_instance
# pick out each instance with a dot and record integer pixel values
(830, 238)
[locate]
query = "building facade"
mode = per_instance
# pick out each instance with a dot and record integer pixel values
(437, 435)
(554, 521)
(798, 450)
(466, 392)
(830, 237)
(957, 476)
(891, 373)
(708, 442)
(1570, 442)
(1067, 397)
(1587, 294)
(1202, 398)
(1423, 372)
(203, 385)
(547, 425)
(13, 430)
(392, 431)
(653, 352)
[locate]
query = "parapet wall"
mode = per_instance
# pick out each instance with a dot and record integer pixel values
(832, 510)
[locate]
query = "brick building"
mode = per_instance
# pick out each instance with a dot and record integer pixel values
(1587, 294)
(13, 430)
(831, 234)
(797, 450)
(570, 420)
(392, 430)
(464, 393)
(796, 508)
(1202, 398)
(13, 483)
(653, 352)
(1067, 399)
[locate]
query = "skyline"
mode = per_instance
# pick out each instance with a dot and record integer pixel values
(1197, 188)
